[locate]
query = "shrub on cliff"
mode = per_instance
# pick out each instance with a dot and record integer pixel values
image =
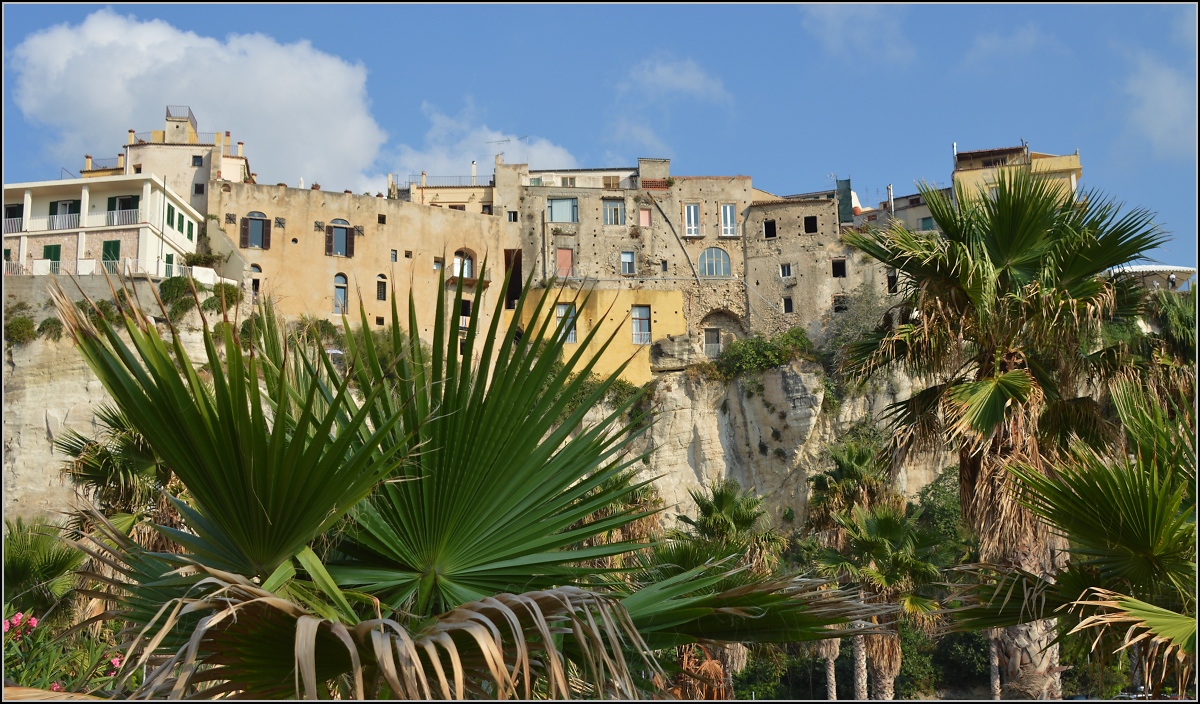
(19, 329)
(758, 354)
(51, 328)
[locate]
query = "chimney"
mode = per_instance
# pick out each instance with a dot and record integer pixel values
(891, 202)
(131, 133)
(121, 161)
(240, 148)
(954, 146)
(472, 172)
(422, 179)
(87, 162)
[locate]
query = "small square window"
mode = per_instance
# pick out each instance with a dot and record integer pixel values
(382, 219)
(198, 189)
(230, 219)
(893, 281)
(914, 202)
(438, 263)
(318, 225)
(457, 207)
(512, 216)
(568, 181)
(785, 270)
(810, 224)
(486, 209)
(627, 263)
(379, 320)
(408, 254)
(664, 266)
(612, 182)
(393, 255)
(787, 304)
(769, 229)
(137, 168)
(197, 161)
(839, 268)
(280, 223)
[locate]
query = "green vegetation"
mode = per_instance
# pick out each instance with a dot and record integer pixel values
(51, 328)
(19, 329)
(758, 354)
(224, 297)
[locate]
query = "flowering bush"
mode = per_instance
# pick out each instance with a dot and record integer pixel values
(35, 656)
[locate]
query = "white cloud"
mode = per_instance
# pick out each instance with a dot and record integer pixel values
(663, 77)
(302, 113)
(1020, 43)
(1163, 107)
(453, 142)
(860, 31)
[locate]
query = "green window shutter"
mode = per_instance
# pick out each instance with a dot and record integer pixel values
(136, 200)
(189, 231)
(111, 251)
(53, 252)
(74, 206)
(170, 215)
(112, 204)
(7, 254)
(180, 228)
(53, 207)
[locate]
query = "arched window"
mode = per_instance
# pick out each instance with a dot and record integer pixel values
(339, 294)
(255, 269)
(381, 287)
(340, 231)
(714, 262)
(256, 231)
(464, 265)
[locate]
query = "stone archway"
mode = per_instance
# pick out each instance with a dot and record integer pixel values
(716, 330)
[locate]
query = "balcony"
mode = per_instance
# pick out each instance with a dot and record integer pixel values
(12, 225)
(15, 269)
(115, 218)
(73, 221)
(54, 222)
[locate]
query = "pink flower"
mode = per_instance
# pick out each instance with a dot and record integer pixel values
(32, 622)
(17, 619)
(56, 687)
(116, 661)
(6, 625)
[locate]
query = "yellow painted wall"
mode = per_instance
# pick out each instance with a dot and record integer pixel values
(1064, 169)
(610, 311)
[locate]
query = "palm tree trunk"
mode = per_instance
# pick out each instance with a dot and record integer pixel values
(860, 668)
(1028, 663)
(885, 688)
(828, 650)
(994, 663)
(830, 679)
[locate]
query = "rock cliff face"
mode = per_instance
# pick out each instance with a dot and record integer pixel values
(770, 437)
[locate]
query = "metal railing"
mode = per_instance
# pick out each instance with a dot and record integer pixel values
(63, 222)
(206, 137)
(116, 218)
(15, 269)
(112, 266)
(12, 225)
(55, 266)
(144, 138)
(182, 111)
(449, 181)
(641, 337)
(101, 164)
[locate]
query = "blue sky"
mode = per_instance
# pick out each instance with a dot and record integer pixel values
(787, 94)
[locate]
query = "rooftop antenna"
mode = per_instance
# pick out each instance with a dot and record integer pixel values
(63, 170)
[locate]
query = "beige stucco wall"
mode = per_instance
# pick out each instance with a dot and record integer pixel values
(1065, 170)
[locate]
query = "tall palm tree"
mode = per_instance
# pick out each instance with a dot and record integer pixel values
(451, 527)
(731, 516)
(891, 557)
(998, 318)
(1130, 519)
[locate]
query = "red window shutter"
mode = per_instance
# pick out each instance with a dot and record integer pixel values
(245, 233)
(329, 240)
(266, 234)
(350, 241)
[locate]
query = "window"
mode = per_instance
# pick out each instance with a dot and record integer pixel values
(254, 230)
(381, 288)
(110, 254)
(614, 212)
(408, 254)
(7, 254)
(612, 183)
(512, 216)
(839, 268)
(170, 215)
(769, 229)
(993, 192)
(664, 266)
(393, 255)
(926, 223)
(137, 168)
(641, 325)
(457, 207)
(169, 261)
(563, 209)
(627, 263)
(714, 262)
(785, 270)
(464, 265)
(339, 230)
(438, 263)
(486, 209)
(382, 219)
(712, 342)
(691, 216)
(893, 281)
(535, 180)
(566, 262)
(787, 304)
(255, 271)
(379, 320)
(810, 224)
(839, 303)
(180, 228)
(197, 160)
(565, 316)
(914, 202)
(198, 189)
(729, 220)
(644, 217)
(464, 314)
(568, 181)
(189, 231)
(339, 294)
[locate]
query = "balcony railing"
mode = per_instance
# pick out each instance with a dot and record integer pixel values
(15, 269)
(115, 218)
(102, 164)
(112, 266)
(62, 222)
(12, 225)
(448, 181)
(641, 337)
(143, 137)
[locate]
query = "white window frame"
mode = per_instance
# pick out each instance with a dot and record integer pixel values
(785, 270)
(566, 310)
(614, 211)
(627, 263)
(729, 220)
(550, 209)
(691, 220)
(641, 325)
(709, 265)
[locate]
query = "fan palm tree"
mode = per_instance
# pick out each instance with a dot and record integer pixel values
(38, 568)
(450, 499)
(998, 319)
(1130, 521)
(727, 515)
(890, 557)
